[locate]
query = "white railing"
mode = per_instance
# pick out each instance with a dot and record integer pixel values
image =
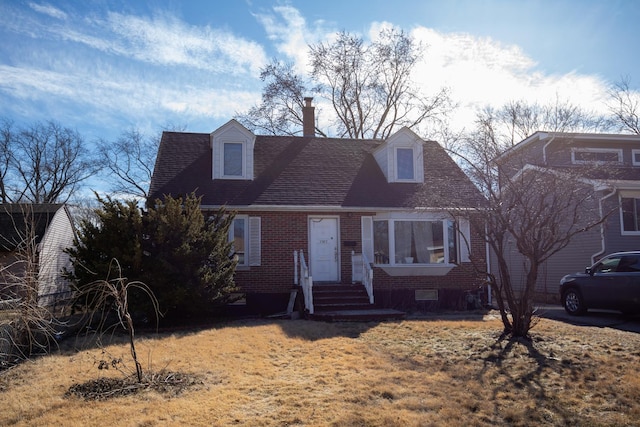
(362, 271)
(303, 279)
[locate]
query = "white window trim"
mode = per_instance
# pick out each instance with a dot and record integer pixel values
(392, 243)
(246, 238)
(243, 160)
(232, 132)
(594, 150)
(252, 240)
(624, 232)
(634, 153)
(397, 165)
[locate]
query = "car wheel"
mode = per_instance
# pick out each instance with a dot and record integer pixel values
(573, 303)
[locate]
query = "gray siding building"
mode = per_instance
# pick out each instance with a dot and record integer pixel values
(611, 165)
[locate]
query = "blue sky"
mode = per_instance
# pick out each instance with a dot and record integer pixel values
(105, 66)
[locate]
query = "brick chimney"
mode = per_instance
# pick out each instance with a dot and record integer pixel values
(308, 118)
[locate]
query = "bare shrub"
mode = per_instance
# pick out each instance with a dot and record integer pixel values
(26, 327)
(112, 295)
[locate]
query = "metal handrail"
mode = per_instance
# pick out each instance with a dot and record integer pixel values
(362, 268)
(305, 280)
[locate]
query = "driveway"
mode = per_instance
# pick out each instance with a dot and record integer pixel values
(599, 318)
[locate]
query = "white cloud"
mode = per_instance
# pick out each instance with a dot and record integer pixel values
(291, 34)
(169, 41)
(137, 97)
(47, 9)
(162, 40)
(161, 68)
(481, 71)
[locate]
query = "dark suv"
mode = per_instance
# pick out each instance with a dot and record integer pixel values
(613, 283)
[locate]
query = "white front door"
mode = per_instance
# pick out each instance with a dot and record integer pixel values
(323, 249)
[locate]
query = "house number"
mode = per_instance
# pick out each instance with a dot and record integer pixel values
(324, 241)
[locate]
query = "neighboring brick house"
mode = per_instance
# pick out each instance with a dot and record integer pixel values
(50, 228)
(327, 198)
(610, 165)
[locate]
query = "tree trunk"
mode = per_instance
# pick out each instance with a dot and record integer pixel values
(522, 312)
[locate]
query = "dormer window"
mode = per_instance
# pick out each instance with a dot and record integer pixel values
(233, 159)
(401, 157)
(405, 164)
(232, 152)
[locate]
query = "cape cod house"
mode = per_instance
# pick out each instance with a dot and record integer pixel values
(347, 214)
(609, 165)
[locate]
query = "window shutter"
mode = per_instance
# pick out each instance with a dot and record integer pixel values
(465, 239)
(367, 237)
(254, 241)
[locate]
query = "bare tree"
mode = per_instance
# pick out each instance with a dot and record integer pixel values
(5, 160)
(44, 163)
(531, 209)
(280, 112)
(624, 105)
(369, 88)
(130, 160)
(518, 119)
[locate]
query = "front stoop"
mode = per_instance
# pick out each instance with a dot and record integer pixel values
(339, 302)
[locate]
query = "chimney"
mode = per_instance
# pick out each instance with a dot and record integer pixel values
(308, 118)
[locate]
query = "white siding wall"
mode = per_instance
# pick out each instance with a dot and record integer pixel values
(52, 258)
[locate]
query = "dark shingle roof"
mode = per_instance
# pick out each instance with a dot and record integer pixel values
(14, 218)
(307, 171)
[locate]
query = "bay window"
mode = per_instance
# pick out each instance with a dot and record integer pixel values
(405, 242)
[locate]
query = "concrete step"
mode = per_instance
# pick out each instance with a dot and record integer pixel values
(340, 297)
(347, 302)
(341, 306)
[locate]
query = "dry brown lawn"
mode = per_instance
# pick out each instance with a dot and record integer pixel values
(416, 372)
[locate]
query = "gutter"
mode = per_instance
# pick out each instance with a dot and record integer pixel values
(334, 208)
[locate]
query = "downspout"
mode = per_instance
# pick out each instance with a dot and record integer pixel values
(488, 258)
(544, 149)
(603, 247)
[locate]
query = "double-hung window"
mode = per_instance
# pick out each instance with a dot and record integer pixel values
(238, 236)
(245, 236)
(405, 164)
(402, 242)
(630, 208)
(233, 164)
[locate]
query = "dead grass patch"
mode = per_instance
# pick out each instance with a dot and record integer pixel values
(304, 373)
